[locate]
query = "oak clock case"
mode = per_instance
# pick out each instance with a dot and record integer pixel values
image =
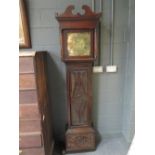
(79, 49)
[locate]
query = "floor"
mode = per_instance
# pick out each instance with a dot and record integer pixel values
(115, 145)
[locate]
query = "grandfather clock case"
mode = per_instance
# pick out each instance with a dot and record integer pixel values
(79, 36)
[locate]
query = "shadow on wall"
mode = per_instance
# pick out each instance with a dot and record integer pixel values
(57, 95)
(95, 84)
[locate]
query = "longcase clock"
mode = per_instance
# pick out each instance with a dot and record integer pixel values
(79, 49)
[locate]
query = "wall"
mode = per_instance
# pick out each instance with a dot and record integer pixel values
(129, 99)
(108, 88)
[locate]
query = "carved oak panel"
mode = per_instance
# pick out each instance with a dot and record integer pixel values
(80, 141)
(79, 97)
(79, 94)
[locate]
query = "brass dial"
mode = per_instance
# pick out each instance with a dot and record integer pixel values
(79, 43)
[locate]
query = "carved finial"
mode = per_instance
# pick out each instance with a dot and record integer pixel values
(88, 11)
(68, 12)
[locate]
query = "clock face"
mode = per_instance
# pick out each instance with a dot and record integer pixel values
(79, 43)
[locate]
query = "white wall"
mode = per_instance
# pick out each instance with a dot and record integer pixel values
(129, 90)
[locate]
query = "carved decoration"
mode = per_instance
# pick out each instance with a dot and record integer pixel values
(80, 141)
(79, 97)
(68, 12)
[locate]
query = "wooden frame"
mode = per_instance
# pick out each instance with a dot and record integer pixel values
(24, 35)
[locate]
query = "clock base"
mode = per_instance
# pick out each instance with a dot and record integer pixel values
(79, 139)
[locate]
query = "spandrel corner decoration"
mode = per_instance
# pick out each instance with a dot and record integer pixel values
(24, 36)
(79, 49)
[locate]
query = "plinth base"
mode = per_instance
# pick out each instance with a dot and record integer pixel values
(80, 139)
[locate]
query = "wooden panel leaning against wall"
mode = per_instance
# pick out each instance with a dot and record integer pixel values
(35, 127)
